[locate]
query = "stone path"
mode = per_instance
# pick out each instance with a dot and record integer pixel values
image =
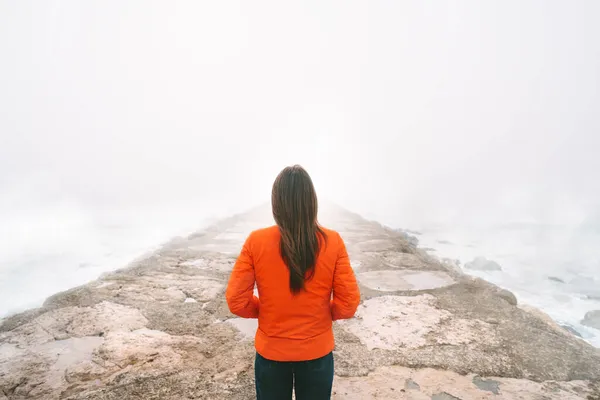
(160, 329)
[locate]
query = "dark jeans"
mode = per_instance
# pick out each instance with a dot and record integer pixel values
(312, 379)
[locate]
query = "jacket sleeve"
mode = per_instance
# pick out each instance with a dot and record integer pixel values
(346, 295)
(240, 288)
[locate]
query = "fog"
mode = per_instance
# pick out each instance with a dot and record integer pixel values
(409, 112)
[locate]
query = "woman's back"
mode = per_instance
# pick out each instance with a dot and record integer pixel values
(293, 326)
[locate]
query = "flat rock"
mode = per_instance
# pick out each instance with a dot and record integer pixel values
(70, 322)
(46, 368)
(447, 385)
(402, 280)
(394, 259)
(392, 322)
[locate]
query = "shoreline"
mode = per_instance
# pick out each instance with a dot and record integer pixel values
(434, 252)
(545, 301)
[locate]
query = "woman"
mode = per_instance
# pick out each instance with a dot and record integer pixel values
(297, 266)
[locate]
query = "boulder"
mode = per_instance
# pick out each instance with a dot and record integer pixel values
(592, 319)
(483, 264)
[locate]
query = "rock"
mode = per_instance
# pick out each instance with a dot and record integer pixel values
(384, 323)
(555, 279)
(483, 264)
(571, 330)
(451, 264)
(487, 385)
(444, 396)
(402, 280)
(504, 294)
(429, 332)
(508, 296)
(404, 261)
(409, 237)
(382, 383)
(411, 385)
(542, 316)
(592, 319)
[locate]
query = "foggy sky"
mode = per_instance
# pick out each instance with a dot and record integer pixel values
(407, 111)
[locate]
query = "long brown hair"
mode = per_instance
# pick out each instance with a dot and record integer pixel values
(295, 208)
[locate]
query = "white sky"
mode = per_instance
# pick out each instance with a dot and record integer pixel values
(407, 111)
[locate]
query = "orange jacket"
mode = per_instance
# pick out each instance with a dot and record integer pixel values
(292, 327)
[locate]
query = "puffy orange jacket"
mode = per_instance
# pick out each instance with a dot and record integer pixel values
(292, 327)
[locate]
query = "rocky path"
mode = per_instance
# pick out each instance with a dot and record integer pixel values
(160, 329)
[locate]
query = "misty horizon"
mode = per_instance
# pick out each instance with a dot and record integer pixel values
(410, 112)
